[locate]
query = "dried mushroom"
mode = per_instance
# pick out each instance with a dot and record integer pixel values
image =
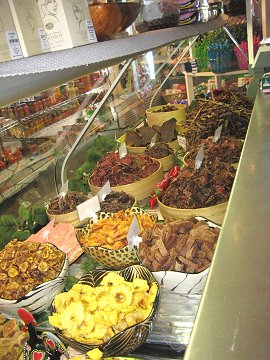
(159, 151)
(24, 265)
(181, 245)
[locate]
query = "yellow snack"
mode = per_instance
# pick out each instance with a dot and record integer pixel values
(94, 354)
(92, 315)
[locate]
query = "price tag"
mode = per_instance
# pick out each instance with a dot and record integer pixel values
(64, 189)
(89, 208)
(43, 40)
(199, 158)
(90, 30)
(182, 141)
(153, 140)
(122, 151)
(14, 45)
(217, 134)
(105, 190)
(133, 237)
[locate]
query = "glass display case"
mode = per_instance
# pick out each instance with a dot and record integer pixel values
(42, 147)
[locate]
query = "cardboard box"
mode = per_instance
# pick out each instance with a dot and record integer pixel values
(29, 27)
(10, 48)
(67, 23)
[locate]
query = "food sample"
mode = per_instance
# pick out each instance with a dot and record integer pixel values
(159, 151)
(67, 203)
(116, 201)
(63, 236)
(166, 108)
(111, 232)
(181, 245)
(234, 98)
(192, 189)
(93, 315)
(226, 149)
(144, 134)
(12, 340)
(207, 115)
(24, 265)
(127, 170)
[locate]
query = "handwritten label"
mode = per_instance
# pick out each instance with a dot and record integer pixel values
(64, 189)
(105, 190)
(133, 237)
(153, 140)
(89, 208)
(182, 141)
(199, 158)
(14, 45)
(122, 151)
(217, 134)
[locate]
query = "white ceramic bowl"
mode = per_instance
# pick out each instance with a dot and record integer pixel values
(38, 299)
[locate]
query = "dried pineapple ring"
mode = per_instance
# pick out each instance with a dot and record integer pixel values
(112, 279)
(13, 272)
(140, 285)
(121, 295)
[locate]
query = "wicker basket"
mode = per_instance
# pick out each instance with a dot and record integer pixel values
(158, 118)
(214, 213)
(140, 149)
(139, 189)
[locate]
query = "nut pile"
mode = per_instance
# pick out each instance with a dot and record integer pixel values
(24, 265)
(181, 245)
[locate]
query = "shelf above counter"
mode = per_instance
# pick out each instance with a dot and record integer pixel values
(24, 77)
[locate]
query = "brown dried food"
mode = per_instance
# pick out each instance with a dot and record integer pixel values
(144, 134)
(127, 170)
(67, 203)
(207, 115)
(181, 245)
(25, 265)
(192, 189)
(12, 340)
(159, 151)
(166, 108)
(116, 201)
(226, 149)
(167, 130)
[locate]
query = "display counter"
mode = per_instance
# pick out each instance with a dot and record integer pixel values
(233, 317)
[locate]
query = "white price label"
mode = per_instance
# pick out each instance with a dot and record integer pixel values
(182, 141)
(105, 190)
(122, 151)
(217, 134)
(199, 158)
(89, 208)
(90, 30)
(64, 189)
(153, 140)
(133, 237)
(43, 40)
(14, 45)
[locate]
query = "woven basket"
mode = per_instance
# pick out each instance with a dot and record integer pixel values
(139, 189)
(214, 213)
